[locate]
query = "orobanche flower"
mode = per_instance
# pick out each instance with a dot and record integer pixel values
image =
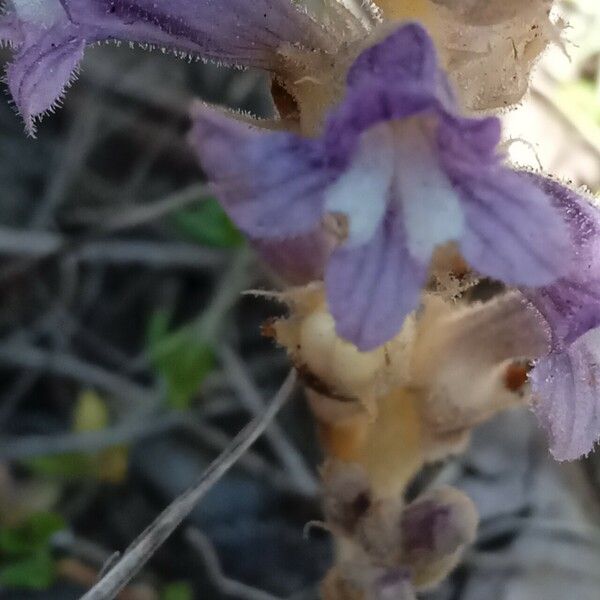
(396, 173)
(566, 382)
(50, 36)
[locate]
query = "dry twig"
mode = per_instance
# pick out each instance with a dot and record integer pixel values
(224, 584)
(155, 535)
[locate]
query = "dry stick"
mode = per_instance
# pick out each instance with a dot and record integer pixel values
(126, 432)
(135, 215)
(29, 356)
(252, 462)
(37, 245)
(155, 535)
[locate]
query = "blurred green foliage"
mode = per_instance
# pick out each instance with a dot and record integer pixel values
(180, 357)
(208, 225)
(89, 414)
(178, 590)
(67, 466)
(25, 555)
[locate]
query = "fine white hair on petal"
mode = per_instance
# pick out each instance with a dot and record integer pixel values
(39, 12)
(430, 205)
(361, 193)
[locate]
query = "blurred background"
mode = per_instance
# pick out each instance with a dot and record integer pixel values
(129, 357)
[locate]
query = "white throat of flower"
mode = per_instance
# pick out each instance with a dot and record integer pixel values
(39, 12)
(396, 163)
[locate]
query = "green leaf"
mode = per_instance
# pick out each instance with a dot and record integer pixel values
(32, 535)
(178, 590)
(90, 412)
(180, 358)
(109, 465)
(37, 571)
(67, 466)
(207, 224)
(25, 557)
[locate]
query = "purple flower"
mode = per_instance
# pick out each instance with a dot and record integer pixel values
(566, 382)
(396, 173)
(49, 37)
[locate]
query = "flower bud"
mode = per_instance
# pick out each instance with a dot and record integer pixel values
(436, 528)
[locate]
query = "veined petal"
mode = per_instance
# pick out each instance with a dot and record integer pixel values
(40, 71)
(571, 305)
(270, 183)
(565, 383)
(469, 141)
(49, 36)
(505, 210)
(372, 288)
(513, 232)
(237, 32)
(567, 389)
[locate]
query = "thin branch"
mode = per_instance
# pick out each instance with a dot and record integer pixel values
(252, 462)
(155, 535)
(44, 244)
(288, 455)
(69, 543)
(28, 356)
(150, 254)
(236, 280)
(26, 242)
(81, 139)
(10, 400)
(133, 216)
(224, 584)
(133, 85)
(130, 430)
